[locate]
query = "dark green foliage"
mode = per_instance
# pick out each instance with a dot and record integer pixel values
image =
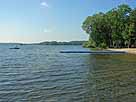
(89, 44)
(115, 28)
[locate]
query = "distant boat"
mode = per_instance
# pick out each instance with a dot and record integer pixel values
(14, 47)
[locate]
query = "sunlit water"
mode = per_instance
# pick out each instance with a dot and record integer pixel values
(39, 73)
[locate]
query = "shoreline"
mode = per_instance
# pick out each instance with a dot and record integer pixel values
(127, 50)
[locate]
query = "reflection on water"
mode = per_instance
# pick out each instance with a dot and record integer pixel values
(113, 78)
(42, 74)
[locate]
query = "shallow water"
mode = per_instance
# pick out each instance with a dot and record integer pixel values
(37, 73)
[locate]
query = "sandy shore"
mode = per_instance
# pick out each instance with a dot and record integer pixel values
(127, 50)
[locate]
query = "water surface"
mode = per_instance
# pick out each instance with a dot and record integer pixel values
(39, 73)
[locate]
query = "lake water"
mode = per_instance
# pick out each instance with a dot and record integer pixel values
(39, 73)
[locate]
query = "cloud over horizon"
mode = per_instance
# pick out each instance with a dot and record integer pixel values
(44, 4)
(46, 30)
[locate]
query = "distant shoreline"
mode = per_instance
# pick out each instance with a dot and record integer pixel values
(51, 43)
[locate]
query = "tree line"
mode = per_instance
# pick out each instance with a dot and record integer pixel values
(61, 43)
(113, 29)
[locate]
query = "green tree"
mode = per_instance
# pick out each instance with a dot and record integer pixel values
(115, 28)
(132, 27)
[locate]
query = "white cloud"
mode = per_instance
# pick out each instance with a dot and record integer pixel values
(44, 4)
(47, 30)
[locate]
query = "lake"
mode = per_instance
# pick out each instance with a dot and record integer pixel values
(39, 73)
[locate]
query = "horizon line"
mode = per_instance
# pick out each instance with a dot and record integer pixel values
(16, 42)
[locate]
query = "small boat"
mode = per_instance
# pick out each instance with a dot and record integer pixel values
(14, 47)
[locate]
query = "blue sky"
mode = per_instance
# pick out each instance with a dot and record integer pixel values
(47, 20)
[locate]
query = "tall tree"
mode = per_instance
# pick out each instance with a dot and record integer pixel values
(116, 27)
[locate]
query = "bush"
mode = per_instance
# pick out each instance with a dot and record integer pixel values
(103, 45)
(89, 44)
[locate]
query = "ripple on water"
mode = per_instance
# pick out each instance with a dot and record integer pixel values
(41, 74)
